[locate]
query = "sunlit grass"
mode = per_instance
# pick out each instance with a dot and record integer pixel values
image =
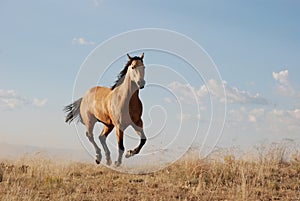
(271, 175)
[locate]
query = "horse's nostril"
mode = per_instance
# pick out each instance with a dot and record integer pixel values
(141, 83)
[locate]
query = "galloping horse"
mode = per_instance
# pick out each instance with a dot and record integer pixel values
(118, 106)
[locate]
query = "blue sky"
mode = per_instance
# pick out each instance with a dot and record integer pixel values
(255, 46)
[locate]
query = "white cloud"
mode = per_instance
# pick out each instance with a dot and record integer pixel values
(235, 95)
(273, 121)
(287, 116)
(251, 118)
(284, 85)
(183, 92)
(82, 41)
(284, 121)
(281, 77)
(216, 90)
(255, 115)
(38, 102)
(10, 99)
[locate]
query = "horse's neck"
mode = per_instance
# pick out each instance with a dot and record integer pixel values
(122, 101)
(128, 89)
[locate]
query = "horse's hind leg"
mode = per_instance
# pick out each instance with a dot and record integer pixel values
(138, 127)
(106, 130)
(90, 136)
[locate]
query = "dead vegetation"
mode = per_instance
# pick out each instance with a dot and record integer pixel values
(268, 177)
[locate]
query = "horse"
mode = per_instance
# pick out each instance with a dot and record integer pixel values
(116, 107)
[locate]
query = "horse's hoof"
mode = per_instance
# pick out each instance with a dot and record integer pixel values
(108, 162)
(129, 153)
(117, 163)
(98, 159)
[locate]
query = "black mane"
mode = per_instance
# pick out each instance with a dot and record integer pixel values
(123, 72)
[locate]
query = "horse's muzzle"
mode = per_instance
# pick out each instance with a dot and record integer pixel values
(141, 84)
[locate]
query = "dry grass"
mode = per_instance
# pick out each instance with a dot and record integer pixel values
(223, 178)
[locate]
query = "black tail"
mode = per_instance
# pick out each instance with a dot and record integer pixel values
(73, 111)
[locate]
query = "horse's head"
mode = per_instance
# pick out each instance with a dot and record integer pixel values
(136, 70)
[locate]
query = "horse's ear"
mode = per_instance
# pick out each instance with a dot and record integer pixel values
(129, 57)
(142, 56)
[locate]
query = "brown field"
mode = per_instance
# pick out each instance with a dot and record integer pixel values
(223, 177)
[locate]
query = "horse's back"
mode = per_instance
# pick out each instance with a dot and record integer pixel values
(95, 105)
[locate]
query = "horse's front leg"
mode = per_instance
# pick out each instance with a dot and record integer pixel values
(138, 127)
(120, 135)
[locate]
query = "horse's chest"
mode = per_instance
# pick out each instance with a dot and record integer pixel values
(121, 115)
(125, 110)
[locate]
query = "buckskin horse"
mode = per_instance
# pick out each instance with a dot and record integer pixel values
(116, 107)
